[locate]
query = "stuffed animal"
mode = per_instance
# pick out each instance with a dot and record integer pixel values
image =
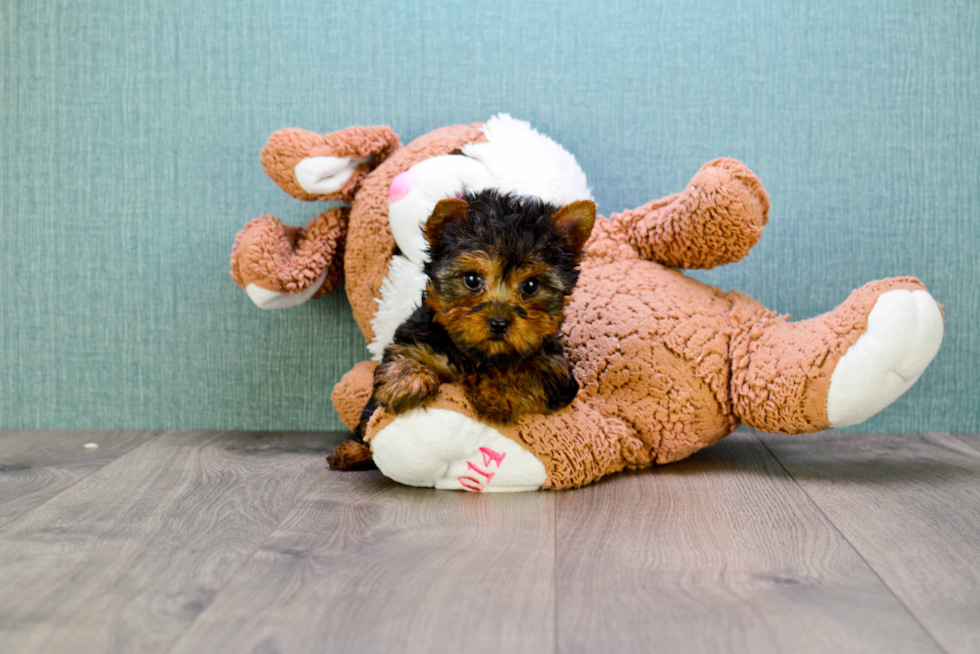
(667, 365)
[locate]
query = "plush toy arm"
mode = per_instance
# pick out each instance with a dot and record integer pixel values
(311, 166)
(282, 267)
(716, 220)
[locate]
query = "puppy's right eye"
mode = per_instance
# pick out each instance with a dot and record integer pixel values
(473, 281)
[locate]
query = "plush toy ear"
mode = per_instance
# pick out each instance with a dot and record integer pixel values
(574, 222)
(446, 212)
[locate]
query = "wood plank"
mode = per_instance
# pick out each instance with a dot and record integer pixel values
(910, 505)
(366, 565)
(722, 552)
(126, 558)
(36, 465)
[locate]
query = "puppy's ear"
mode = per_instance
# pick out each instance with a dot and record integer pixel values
(446, 212)
(574, 221)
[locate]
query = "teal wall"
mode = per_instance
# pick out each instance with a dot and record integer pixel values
(129, 159)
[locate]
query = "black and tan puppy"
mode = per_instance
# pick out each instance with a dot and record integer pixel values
(501, 268)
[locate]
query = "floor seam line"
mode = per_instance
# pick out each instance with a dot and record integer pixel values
(248, 558)
(4, 525)
(959, 439)
(853, 547)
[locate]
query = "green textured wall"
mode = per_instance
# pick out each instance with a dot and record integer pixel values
(129, 160)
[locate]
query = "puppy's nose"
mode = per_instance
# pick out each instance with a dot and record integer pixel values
(498, 325)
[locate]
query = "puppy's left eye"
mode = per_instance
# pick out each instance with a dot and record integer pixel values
(473, 281)
(529, 287)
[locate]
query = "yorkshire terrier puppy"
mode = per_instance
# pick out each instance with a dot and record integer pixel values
(501, 268)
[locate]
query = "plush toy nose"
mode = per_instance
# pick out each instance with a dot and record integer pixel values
(498, 325)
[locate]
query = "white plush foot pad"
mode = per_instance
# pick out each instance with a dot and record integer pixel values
(905, 329)
(266, 299)
(450, 451)
(324, 175)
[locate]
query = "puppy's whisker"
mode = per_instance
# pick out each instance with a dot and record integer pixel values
(480, 307)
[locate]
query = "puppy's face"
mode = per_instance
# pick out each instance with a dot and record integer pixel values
(501, 270)
(496, 309)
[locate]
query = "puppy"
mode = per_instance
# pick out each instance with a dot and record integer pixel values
(501, 268)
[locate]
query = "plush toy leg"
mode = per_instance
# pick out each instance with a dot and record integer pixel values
(834, 370)
(716, 220)
(312, 166)
(448, 450)
(905, 330)
(446, 446)
(282, 267)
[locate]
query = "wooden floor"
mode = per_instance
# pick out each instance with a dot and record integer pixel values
(244, 542)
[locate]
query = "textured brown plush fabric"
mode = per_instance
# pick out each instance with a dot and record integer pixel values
(653, 344)
(781, 370)
(716, 220)
(352, 392)
(288, 259)
(667, 365)
(288, 147)
(577, 445)
(370, 244)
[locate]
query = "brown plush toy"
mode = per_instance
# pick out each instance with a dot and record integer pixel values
(667, 365)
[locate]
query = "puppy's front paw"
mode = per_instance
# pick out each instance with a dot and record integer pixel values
(403, 385)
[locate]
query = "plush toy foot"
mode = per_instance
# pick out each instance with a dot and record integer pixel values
(451, 451)
(281, 267)
(905, 329)
(312, 166)
(263, 298)
(351, 455)
(326, 175)
(716, 220)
